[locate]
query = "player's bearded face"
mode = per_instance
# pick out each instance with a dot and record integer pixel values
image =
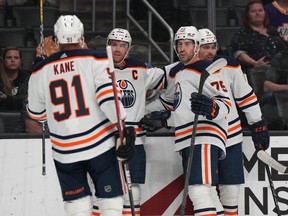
(185, 49)
(119, 50)
(208, 51)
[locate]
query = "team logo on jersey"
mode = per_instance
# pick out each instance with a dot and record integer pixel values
(128, 93)
(177, 96)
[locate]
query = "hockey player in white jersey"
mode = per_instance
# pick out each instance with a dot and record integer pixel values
(212, 107)
(73, 91)
(134, 78)
(231, 173)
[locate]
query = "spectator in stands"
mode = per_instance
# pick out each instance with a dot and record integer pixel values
(13, 82)
(277, 12)
(13, 87)
(254, 45)
(256, 42)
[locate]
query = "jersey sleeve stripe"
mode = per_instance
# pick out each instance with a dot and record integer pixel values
(231, 129)
(38, 118)
(251, 93)
(103, 86)
(104, 93)
(37, 115)
(233, 121)
(249, 105)
(247, 100)
(230, 136)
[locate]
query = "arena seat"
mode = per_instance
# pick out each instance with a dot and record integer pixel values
(28, 56)
(29, 16)
(2, 17)
(15, 37)
(8, 121)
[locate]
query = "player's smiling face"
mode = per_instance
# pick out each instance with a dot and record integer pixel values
(119, 50)
(185, 50)
(207, 51)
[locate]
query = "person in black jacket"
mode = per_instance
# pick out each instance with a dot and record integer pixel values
(13, 81)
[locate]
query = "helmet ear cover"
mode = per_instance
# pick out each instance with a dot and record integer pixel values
(68, 29)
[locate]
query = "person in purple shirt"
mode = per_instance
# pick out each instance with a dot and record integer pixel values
(277, 12)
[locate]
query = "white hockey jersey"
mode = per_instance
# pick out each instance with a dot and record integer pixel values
(208, 131)
(133, 81)
(73, 90)
(166, 98)
(241, 95)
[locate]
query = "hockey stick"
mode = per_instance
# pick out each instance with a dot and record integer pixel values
(120, 129)
(43, 150)
(217, 65)
(271, 162)
(266, 159)
(41, 30)
(272, 189)
(43, 123)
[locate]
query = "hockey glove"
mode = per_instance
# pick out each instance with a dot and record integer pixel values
(125, 150)
(260, 135)
(203, 105)
(155, 120)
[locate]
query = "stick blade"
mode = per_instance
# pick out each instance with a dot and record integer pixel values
(110, 59)
(217, 65)
(267, 159)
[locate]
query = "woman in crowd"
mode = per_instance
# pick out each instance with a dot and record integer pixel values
(254, 45)
(13, 82)
(256, 42)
